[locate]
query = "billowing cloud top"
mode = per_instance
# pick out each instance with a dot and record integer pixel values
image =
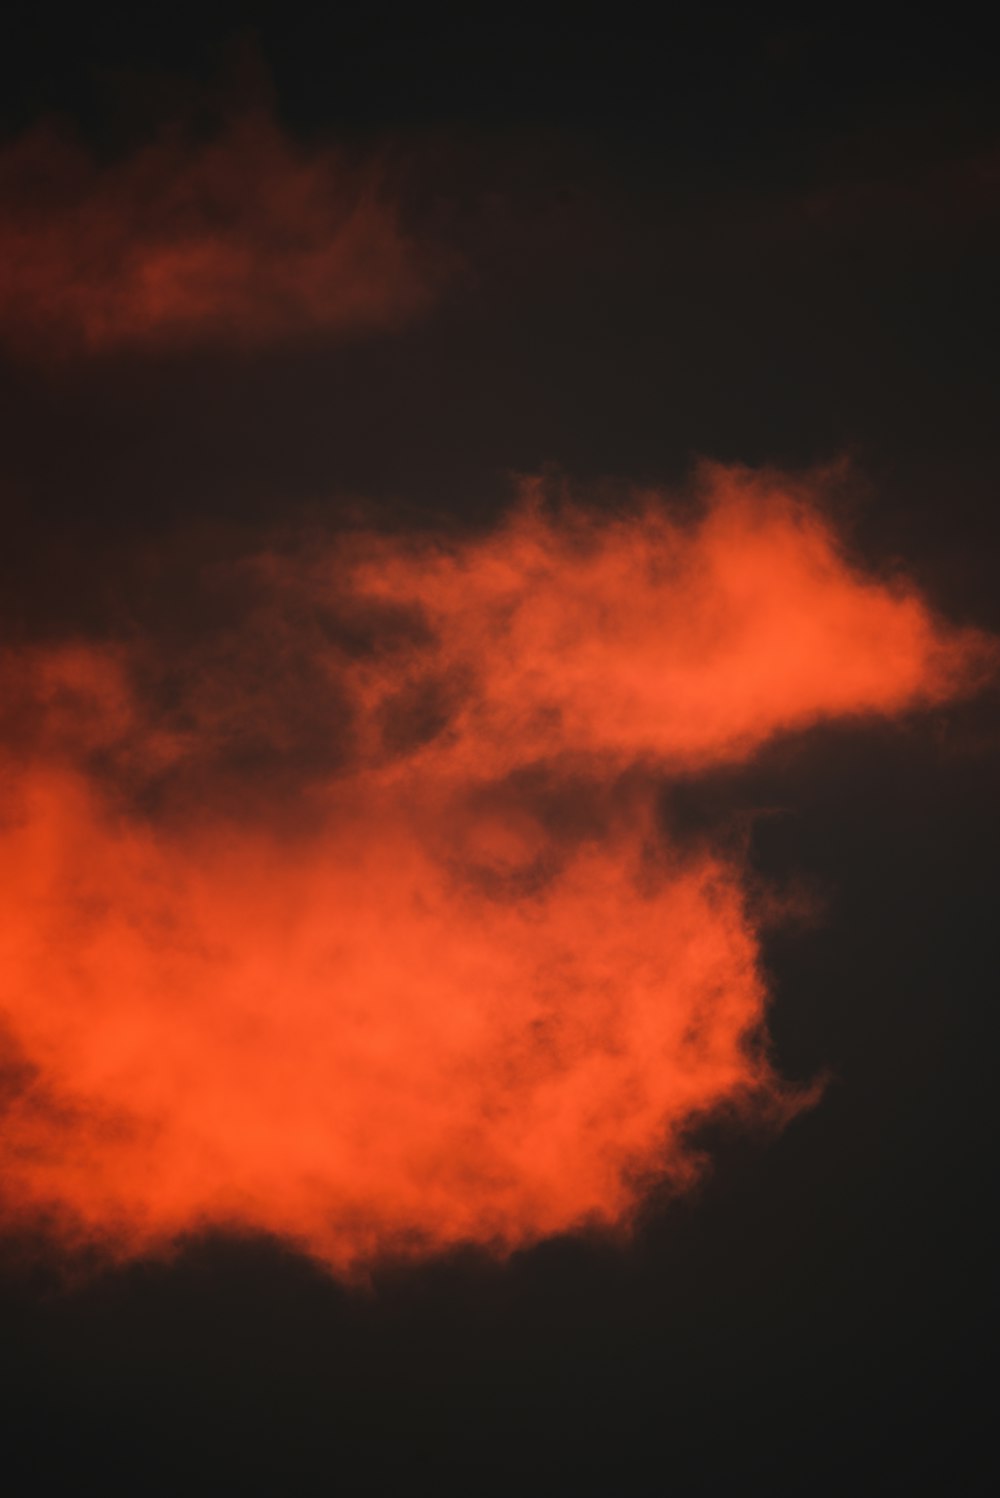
(354, 920)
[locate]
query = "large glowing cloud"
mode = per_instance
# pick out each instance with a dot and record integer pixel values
(355, 921)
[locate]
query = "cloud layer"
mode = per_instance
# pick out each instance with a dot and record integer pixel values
(353, 919)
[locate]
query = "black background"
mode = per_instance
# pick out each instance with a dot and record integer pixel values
(817, 1317)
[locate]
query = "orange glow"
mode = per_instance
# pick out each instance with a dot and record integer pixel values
(242, 240)
(468, 991)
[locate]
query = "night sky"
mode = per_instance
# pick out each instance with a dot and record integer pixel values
(498, 733)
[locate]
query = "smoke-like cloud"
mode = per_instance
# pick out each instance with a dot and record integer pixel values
(351, 916)
(242, 239)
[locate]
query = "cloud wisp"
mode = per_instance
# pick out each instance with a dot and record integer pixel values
(245, 239)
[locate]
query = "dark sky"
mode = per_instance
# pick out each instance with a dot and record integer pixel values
(602, 251)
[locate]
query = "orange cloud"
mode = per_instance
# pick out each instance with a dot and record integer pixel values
(470, 990)
(245, 239)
